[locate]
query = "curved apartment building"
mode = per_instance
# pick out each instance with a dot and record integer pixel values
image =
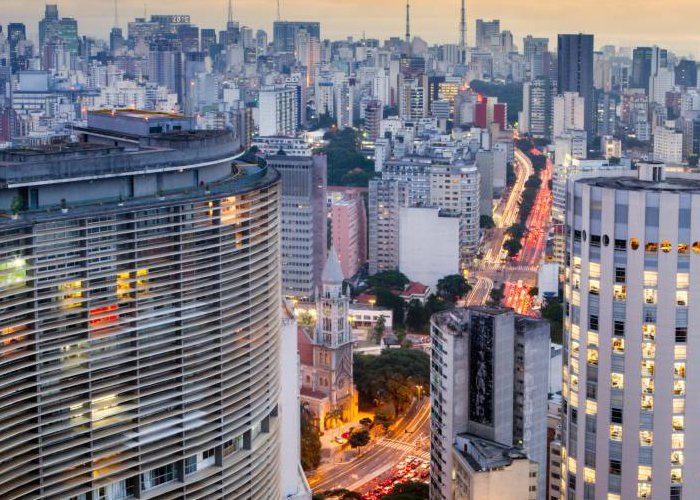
(139, 316)
(632, 316)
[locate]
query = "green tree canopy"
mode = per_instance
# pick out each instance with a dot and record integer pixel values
(392, 376)
(388, 279)
(452, 287)
(359, 438)
(310, 440)
(409, 491)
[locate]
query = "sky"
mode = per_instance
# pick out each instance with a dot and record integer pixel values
(668, 23)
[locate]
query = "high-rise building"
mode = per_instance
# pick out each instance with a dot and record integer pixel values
(575, 70)
(349, 230)
(284, 33)
(687, 73)
(489, 381)
(304, 222)
(629, 422)
(488, 34)
(277, 111)
(536, 52)
(384, 207)
(569, 113)
(16, 36)
(668, 144)
(140, 316)
(538, 102)
(646, 62)
(373, 113)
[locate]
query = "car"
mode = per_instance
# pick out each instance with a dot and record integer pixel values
(340, 440)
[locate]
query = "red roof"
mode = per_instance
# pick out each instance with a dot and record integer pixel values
(305, 347)
(310, 393)
(414, 288)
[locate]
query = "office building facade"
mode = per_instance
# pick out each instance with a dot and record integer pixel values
(629, 422)
(140, 317)
(575, 71)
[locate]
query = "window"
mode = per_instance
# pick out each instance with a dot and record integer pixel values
(615, 432)
(620, 275)
(191, 464)
(682, 298)
(616, 415)
(615, 467)
(678, 422)
(158, 476)
(634, 244)
(593, 322)
(649, 332)
(646, 438)
(644, 473)
(619, 328)
(617, 380)
(618, 345)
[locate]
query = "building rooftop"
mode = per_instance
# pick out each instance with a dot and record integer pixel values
(138, 114)
(484, 454)
(689, 184)
(456, 318)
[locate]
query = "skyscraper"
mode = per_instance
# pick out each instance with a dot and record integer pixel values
(285, 32)
(575, 70)
(646, 62)
(629, 423)
(489, 383)
(140, 316)
(304, 222)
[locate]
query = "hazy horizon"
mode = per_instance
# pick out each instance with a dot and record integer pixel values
(618, 22)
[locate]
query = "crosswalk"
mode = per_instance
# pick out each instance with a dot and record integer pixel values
(406, 447)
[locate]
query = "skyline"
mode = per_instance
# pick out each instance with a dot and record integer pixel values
(434, 25)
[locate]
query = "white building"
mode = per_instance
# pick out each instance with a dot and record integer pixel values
(277, 111)
(631, 344)
(569, 113)
(428, 244)
(668, 144)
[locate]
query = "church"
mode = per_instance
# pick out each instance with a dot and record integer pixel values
(326, 351)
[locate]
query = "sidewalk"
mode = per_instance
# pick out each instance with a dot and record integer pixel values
(330, 448)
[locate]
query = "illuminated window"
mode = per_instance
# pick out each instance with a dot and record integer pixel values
(644, 473)
(678, 422)
(123, 286)
(677, 457)
(591, 407)
(666, 246)
(651, 247)
(648, 403)
(594, 270)
(678, 405)
(615, 432)
(646, 438)
(142, 280)
(574, 348)
(696, 247)
(648, 350)
(644, 490)
(72, 293)
(676, 476)
(679, 387)
(682, 280)
(649, 331)
(592, 339)
(682, 297)
(648, 386)
(617, 380)
(679, 369)
(679, 351)
(618, 345)
(592, 356)
(620, 292)
(589, 475)
(574, 383)
(594, 287)
(677, 440)
(13, 273)
(613, 496)
(650, 295)
(634, 243)
(683, 248)
(651, 278)
(648, 367)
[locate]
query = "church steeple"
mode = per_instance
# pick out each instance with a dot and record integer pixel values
(332, 277)
(333, 328)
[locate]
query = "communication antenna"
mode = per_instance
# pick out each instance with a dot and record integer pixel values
(279, 11)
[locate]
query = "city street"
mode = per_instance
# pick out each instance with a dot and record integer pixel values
(409, 437)
(491, 271)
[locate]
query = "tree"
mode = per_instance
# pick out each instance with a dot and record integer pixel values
(310, 440)
(486, 222)
(339, 494)
(391, 377)
(359, 438)
(553, 312)
(385, 298)
(452, 287)
(378, 330)
(417, 316)
(497, 294)
(409, 491)
(517, 231)
(513, 247)
(388, 279)
(383, 419)
(17, 204)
